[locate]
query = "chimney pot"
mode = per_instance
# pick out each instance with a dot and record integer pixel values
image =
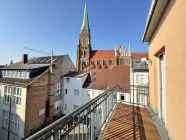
(25, 59)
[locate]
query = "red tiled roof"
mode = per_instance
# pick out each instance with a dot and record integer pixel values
(139, 54)
(102, 54)
(108, 77)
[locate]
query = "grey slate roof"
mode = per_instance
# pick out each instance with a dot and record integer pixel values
(137, 65)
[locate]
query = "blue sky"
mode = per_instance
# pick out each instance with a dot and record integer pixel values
(55, 25)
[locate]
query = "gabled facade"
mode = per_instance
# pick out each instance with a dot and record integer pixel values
(35, 87)
(73, 96)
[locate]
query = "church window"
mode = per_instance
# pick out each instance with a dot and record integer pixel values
(81, 52)
(85, 53)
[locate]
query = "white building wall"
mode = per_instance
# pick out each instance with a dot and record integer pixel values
(70, 99)
(15, 109)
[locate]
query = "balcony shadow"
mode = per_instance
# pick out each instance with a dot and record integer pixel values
(129, 123)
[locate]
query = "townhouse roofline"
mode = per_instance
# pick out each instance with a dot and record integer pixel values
(156, 11)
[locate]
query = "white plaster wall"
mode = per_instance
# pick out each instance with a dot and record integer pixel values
(70, 99)
(67, 65)
(16, 109)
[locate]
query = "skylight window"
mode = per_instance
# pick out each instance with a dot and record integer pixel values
(43, 60)
(55, 59)
(32, 61)
(37, 61)
(48, 60)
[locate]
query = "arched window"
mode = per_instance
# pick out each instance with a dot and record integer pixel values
(81, 52)
(85, 53)
(121, 61)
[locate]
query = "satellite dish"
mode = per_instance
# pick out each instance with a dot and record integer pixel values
(143, 59)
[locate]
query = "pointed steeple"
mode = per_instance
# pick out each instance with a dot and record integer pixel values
(129, 49)
(85, 19)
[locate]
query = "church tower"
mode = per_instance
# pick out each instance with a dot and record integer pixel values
(84, 44)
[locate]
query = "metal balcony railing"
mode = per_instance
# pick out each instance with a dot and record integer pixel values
(89, 121)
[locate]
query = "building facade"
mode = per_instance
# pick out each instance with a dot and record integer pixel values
(166, 33)
(139, 76)
(73, 96)
(34, 89)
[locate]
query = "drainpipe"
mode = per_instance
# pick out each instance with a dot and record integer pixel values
(10, 108)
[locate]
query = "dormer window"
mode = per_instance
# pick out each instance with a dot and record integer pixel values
(16, 74)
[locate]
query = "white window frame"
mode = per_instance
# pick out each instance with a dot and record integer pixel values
(17, 96)
(65, 108)
(5, 118)
(76, 106)
(67, 80)
(7, 94)
(57, 107)
(15, 123)
(57, 89)
(76, 92)
(139, 78)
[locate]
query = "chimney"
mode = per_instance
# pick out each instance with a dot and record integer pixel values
(25, 58)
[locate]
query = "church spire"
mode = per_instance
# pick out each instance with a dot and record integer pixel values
(129, 49)
(85, 19)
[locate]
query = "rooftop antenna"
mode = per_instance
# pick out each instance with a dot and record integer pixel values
(39, 51)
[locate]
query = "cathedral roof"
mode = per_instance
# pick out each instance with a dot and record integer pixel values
(102, 54)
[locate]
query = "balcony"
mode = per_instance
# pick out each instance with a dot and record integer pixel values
(119, 113)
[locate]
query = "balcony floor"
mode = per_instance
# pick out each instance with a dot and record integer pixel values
(131, 123)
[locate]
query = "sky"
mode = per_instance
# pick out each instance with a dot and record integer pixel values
(48, 25)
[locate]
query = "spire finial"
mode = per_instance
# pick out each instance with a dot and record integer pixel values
(85, 19)
(129, 49)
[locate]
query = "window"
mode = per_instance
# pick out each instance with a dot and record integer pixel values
(57, 107)
(67, 80)
(121, 61)
(76, 106)
(17, 96)
(5, 118)
(15, 123)
(65, 91)
(122, 97)
(7, 94)
(139, 79)
(57, 89)
(65, 106)
(76, 92)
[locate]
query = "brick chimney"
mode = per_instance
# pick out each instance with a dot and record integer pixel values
(24, 58)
